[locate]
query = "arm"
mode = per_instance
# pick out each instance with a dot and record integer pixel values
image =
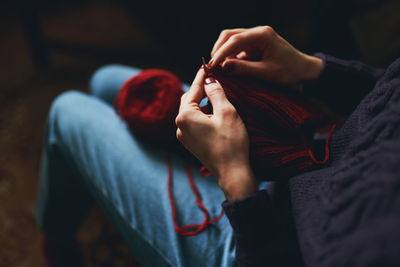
(342, 83)
(262, 222)
(262, 225)
(262, 53)
(264, 230)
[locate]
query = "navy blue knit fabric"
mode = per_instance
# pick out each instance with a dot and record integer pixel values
(347, 213)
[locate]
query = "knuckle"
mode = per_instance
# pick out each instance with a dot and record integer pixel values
(228, 111)
(182, 119)
(179, 120)
(234, 38)
(179, 135)
(214, 89)
(183, 97)
(267, 30)
(225, 33)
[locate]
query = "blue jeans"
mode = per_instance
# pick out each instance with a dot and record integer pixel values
(89, 153)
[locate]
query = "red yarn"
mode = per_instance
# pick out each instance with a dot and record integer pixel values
(149, 103)
(197, 228)
(280, 125)
(204, 172)
(325, 160)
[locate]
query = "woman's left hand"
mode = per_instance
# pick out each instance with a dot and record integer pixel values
(218, 140)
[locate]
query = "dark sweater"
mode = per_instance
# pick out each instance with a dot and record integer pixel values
(347, 213)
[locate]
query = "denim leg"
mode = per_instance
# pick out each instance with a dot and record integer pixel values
(63, 200)
(88, 143)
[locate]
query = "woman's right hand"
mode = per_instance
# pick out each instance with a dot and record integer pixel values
(261, 52)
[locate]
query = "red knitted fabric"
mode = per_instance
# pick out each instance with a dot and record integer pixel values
(280, 123)
(149, 103)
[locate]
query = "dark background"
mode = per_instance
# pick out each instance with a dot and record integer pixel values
(47, 47)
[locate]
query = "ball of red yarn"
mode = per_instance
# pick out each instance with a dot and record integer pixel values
(149, 103)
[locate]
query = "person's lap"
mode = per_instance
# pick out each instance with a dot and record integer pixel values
(87, 142)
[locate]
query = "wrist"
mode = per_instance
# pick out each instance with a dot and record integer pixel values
(313, 68)
(236, 183)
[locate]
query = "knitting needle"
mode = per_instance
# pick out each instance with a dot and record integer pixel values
(205, 66)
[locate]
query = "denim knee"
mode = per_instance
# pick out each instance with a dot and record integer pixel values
(99, 82)
(106, 82)
(68, 100)
(64, 112)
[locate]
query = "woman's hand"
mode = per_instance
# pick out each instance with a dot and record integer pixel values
(218, 140)
(261, 52)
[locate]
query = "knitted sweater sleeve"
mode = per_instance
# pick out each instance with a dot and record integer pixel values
(263, 229)
(343, 83)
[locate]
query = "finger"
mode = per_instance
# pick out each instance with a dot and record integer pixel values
(234, 45)
(223, 37)
(215, 94)
(242, 55)
(179, 135)
(181, 105)
(196, 92)
(245, 68)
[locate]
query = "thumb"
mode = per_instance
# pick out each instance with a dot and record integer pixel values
(215, 93)
(243, 67)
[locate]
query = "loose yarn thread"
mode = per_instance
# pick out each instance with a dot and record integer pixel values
(198, 228)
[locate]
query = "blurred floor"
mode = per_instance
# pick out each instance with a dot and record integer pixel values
(26, 94)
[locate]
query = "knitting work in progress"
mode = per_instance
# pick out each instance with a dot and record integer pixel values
(280, 123)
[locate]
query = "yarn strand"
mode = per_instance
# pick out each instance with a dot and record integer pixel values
(328, 139)
(185, 229)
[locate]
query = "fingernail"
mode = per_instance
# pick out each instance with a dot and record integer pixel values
(228, 68)
(210, 62)
(209, 80)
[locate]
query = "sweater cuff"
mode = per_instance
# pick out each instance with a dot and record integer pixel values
(249, 214)
(342, 81)
(339, 74)
(312, 87)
